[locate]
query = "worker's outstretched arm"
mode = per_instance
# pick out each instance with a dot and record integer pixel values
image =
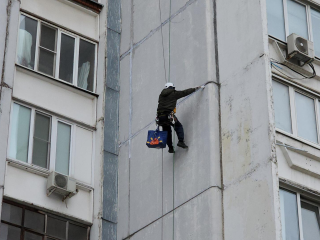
(181, 94)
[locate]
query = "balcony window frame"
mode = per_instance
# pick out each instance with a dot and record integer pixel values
(56, 70)
(292, 90)
(308, 15)
(299, 199)
(46, 214)
(51, 160)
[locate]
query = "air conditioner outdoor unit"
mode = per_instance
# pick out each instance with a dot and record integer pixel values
(61, 184)
(300, 49)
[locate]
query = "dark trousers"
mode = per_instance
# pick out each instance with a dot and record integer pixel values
(166, 125)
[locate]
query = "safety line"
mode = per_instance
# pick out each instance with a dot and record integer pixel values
(152, 122)
(164, 61)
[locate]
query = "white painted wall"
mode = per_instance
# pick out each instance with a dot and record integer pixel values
(31, 188)
(44, 93)
(82, 157)
(66, 14)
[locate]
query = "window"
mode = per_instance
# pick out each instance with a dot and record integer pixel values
(299, 217)
(32, 139)
(293, 16)
(56, 52)
(19, 222)
(296, 112)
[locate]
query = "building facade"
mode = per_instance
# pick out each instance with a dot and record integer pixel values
(80, 81)
(53, 90)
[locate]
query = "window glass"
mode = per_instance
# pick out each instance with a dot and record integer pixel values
(315, 17)
(47, 50)
(282, 106)
(34, 220)
(27, 41)
(8, 232)
(306, 117)
(41, 140)
(56, 228)
(276, 19)
(31, 236)
(77, 233)
(289, 215)
(310, 221)
(66, 58)
(63, 148)
(11, 214)
(19, 132)
(297, 17)
(86, 65)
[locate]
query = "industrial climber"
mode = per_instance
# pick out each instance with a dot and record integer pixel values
(166, 113)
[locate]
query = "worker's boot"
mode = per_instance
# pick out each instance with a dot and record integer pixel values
(171, 150)
(182, 144)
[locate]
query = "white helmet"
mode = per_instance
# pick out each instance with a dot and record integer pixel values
(169, 84)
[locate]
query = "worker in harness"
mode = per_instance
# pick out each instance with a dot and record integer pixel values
(166, 113)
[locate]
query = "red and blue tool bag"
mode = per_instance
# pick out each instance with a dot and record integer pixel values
(157, 139)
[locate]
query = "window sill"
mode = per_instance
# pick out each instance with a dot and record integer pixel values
(58, 82)
(298, 139)
(42, 172)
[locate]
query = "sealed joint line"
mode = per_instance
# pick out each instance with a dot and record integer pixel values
(176, 208)
(152, 32)
(108, 221)
(114, 89)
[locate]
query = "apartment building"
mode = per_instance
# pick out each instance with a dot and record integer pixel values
(252, 168)
(296, 109)
(54, 60)
(79, 90)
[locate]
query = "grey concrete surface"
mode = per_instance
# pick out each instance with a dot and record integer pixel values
(125, 25)
(123, 193)
(146, 17)
(199, 218)
(249, 167)
(124, 101)
(148, 79)
(150, 175)
(145, 184)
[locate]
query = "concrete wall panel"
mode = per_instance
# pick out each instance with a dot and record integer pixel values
(145, 184)
(124, 101)
(148, 80)
(248, 210)
(251, 200)
(125, 25)
(146, 18)
(193, 55)
(151, 232)
(201, 218)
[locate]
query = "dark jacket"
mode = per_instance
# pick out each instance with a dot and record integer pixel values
(168, 99)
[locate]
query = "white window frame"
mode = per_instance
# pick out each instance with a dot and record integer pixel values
(294, 126)
(299, 200)
(57, 56)
(286, 19)
(53, 138)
